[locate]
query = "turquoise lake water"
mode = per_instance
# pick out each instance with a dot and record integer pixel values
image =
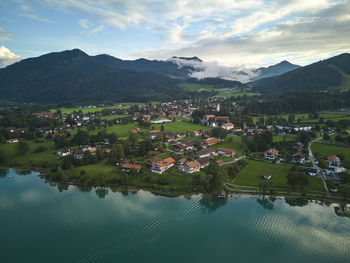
(40, 222)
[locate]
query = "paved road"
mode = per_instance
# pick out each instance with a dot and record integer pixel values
(315, 166)
(235, 160)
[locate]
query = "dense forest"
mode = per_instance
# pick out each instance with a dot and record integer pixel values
(298, 102)
(320, 76)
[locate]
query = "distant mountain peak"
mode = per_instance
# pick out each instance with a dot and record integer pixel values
(196, 59)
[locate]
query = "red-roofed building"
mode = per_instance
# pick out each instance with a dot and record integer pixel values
(270, 154)
(163, 165)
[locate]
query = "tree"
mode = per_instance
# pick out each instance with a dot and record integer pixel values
(292, 179)
(22, 147)
(322, 164)
(344, 190)
(265, 185)
(162, 128)
(3, 157)
(297, 178)
(345, 177)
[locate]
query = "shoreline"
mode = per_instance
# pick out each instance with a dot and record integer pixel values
(229, 192)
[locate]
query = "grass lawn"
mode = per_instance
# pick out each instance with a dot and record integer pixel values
(229, 94)
(235, 144)
(122, 130)
(111, 117)
(35, 158)
(179, 126)
(326, 150)
(305, 117)
(250, 176)
(196, 87)
(192, 138)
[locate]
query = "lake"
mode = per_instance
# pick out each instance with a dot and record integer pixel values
(42, 222)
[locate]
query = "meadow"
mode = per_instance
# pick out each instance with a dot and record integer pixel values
(326, 150)
(251, 175)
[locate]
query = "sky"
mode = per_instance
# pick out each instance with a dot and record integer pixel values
(239, 33)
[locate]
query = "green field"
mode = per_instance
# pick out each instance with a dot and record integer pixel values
(336, 116)
(229, 94)
(111, 117)
(251, 175)
(196, 87)
(235, 144)
(32, 158)
(326, 150)
(121, 130)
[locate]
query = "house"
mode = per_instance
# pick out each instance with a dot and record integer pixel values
(106, 142)
(196, 133)
(154, 134)
(146, 116)
(163, 165)
(266, 176)
(186, 146)
(190, 167)
(223, 118)
(127, 167)
(64, 152)
(299, 145)
(135, 130)
(312, 172)
(211, 141)
(205, 152)
(334, 162)
(219, 162)
(208, 116)
(271, 154)
(170, 136)
(78, 154)
(299, 157)
(154, 160)
(182, 161)
(228, 126)
(226, 152)
(347, 132)
(212, 124)
(204, 161)
(12, 140)
(260, 131)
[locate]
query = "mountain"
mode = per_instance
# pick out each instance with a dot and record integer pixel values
(167, 68)
(194, 59)
(275, 70)
(332, 74)
(74, 76)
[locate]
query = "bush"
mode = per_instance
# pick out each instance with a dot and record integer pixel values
(40, 148)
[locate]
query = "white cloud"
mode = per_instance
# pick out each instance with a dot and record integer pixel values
(4, 36)
(7, 57)
(97, 29)
(83, 23)
(214, 70)
(37, 18)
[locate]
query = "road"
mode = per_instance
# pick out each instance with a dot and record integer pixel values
(235, 160)
(315, 166)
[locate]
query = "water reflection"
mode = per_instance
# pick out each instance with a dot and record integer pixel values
(101, 192)
(296, 201)
(342, 210)
(209, 203)
(265, 203)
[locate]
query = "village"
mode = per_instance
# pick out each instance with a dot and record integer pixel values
(185, 136)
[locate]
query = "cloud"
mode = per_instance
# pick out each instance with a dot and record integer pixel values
(232, 32)
(97, 29)
(214, 70)
(83, 23)
(5, 36)
(37, 18)
(7, 57)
